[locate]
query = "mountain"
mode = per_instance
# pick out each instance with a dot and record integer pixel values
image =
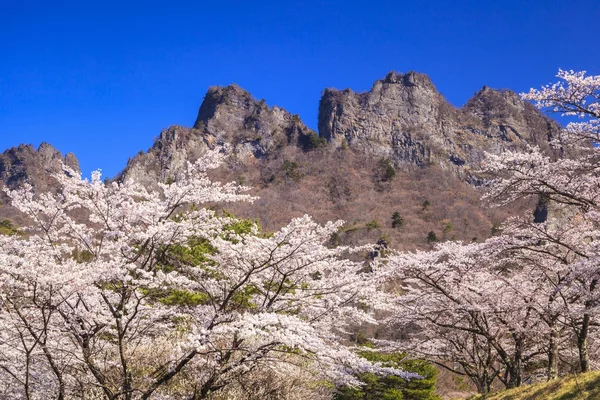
(401, 147)
(405, 118)
(25, 164)
(227, 115)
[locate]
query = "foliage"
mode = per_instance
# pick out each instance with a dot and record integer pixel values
(397, 220)
(575, 387)
(335, 239)
(448, 227)
(387, 171)
(372, 225)
(156, 296)
(392, 387)
(524, 303)
(311, 141)
(8, 228)
(290, 169)
(425, 205)
(314, 141)
(432, 237)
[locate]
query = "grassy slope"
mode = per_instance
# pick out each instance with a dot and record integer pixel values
(575, 387)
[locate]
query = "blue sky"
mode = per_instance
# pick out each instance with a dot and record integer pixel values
(102, 79)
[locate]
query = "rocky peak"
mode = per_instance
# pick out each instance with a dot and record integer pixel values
(410, 79)
(35, 166)
(394, 119)
(52, 157)
(230, 114)
(489, 103)
(227, 115)
(405, 118)
(217, 97)
(508, 118)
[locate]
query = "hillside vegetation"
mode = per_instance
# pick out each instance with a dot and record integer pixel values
(575, 387)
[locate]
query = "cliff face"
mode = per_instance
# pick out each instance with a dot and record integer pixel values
(405, 118)
(26, 164)
(228, 115)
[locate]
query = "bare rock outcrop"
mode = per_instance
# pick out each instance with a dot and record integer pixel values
(26, 164)
(435, 149)
(404, 117)
(228, 115)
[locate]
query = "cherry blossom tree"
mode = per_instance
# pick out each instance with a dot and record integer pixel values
(491, 308)
(467, 311)
(570, 186)
(121, 292)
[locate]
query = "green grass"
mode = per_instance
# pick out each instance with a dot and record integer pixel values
(573, 387)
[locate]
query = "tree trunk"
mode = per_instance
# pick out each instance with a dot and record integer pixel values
(482, 389)
(552, 372)
(206, 388)
(514, 378)
(483, 384)
(515, 368)
(582, 344)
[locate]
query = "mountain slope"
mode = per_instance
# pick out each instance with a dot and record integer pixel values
(227, 115)
(574, 387)
(25, 164)
(356, 169)
(399, 148)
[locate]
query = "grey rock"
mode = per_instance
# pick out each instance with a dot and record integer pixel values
(37, 167)
(405, 118)
(228, 115)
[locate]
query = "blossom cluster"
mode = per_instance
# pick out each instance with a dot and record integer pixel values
(118, 291)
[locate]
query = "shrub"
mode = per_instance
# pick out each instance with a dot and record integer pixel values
(448, 227)
(496, 228)
(397, 220)
(82, 256)
(432, 237)
(335, 240)
(290, 168)
(8, 228)
(372, 225)
(388, 172)
(393, 387)
(312, 141)
(344, 145)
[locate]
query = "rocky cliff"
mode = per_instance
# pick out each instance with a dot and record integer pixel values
(34, 166)
(404, 117)
(228, 115)
(26, 164)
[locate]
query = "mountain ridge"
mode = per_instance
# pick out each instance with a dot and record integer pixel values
(399, 147)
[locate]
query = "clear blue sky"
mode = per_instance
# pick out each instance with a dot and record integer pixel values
(102, 79)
